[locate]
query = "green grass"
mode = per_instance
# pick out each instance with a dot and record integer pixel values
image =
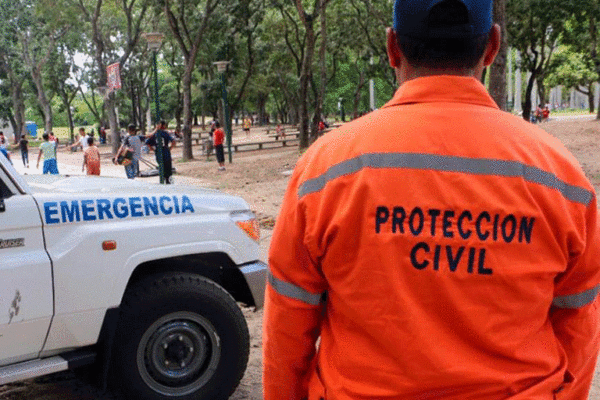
(570, 112)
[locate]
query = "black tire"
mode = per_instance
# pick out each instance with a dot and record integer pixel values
(180, 336)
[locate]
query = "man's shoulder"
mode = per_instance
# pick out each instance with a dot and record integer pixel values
(340, 144)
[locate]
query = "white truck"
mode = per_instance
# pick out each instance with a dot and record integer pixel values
(140, 281)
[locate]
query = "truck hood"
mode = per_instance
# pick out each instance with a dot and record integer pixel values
(101, 185)
(57, 188)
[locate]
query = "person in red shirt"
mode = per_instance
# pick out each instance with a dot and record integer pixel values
(437, 248)
(218, 139)
(545, 113)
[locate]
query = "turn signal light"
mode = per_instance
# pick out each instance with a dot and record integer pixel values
(251, 228)
(109, 245)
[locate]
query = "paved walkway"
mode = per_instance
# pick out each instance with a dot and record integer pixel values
(70, 164)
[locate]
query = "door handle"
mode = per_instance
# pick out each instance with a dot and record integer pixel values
(2, 206)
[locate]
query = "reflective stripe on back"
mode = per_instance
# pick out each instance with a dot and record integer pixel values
(434, 162)
(576, 300)
(294, 292)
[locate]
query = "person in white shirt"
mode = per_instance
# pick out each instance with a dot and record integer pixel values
(82, 141)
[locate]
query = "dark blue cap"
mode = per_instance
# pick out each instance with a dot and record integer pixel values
(411, 18)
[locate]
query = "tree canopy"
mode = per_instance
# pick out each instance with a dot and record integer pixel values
(291, 61)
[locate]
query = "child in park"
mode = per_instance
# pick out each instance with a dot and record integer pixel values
(48, 150)
(91, 158)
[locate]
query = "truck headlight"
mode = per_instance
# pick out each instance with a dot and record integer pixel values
(246, 221)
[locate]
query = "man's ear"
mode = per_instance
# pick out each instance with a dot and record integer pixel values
(493, 45)
(393, 49)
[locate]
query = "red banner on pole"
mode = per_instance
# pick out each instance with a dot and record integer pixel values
(114, 76)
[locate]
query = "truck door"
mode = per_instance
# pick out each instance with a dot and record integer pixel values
(26, 300)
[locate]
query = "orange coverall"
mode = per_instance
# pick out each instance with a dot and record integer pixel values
(440, 249)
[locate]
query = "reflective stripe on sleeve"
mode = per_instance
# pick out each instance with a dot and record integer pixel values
(294, 292)
(435, 162)
(576, 300)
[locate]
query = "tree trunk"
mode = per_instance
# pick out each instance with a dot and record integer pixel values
(598, 114)
(304, 82)
(42, 99)
(591, 96)
(541, 88)
(323, 68)
(17, 133)
(357, 92)
(187, 111)
(69, 117)
(527, 102)
(115, 132)
(261, 107)
(19, 106)
(133, 104)
(498, 68)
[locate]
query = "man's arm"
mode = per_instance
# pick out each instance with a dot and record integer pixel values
(39, 157)
(118, 152)
(293, 308)
(575, 310)
(578, 330)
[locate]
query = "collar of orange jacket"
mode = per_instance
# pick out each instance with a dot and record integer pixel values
(442, 89)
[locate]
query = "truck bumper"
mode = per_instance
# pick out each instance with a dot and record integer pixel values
(256, 277)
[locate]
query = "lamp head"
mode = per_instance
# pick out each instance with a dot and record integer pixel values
(154, 40)
(222, 65)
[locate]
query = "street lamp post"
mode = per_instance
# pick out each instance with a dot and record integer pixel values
(154, 42)
(222, 67)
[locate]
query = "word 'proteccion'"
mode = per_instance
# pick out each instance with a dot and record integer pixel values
(455, 226)
(56, 212)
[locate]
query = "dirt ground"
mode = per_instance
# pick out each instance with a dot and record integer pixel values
(261, 178)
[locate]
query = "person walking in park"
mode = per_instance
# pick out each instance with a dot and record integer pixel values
(437, 248)
(132, 142)
(81, 142)
(53, 139)
(4, 146)
(167, 144)
(91, 158)
(218, 140)
(48, 151)
(23, 146)
(246, 125)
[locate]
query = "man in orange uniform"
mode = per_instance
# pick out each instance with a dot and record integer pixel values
(440, 248)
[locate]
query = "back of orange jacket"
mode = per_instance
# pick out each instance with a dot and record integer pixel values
(441, 249)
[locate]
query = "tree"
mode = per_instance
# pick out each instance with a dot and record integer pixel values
(574, 71)
(535, 34)
(189, 22)
(583, 33)
(60, 73)
(497, 85)
(14, 75)
(37, 42)
(308, 21)
(361, 30)
(119, 20)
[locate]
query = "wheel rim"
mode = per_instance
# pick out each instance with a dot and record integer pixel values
(178, 353)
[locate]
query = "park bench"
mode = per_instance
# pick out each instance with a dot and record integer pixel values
(262, 145)
(198, 137)
(238, 147)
